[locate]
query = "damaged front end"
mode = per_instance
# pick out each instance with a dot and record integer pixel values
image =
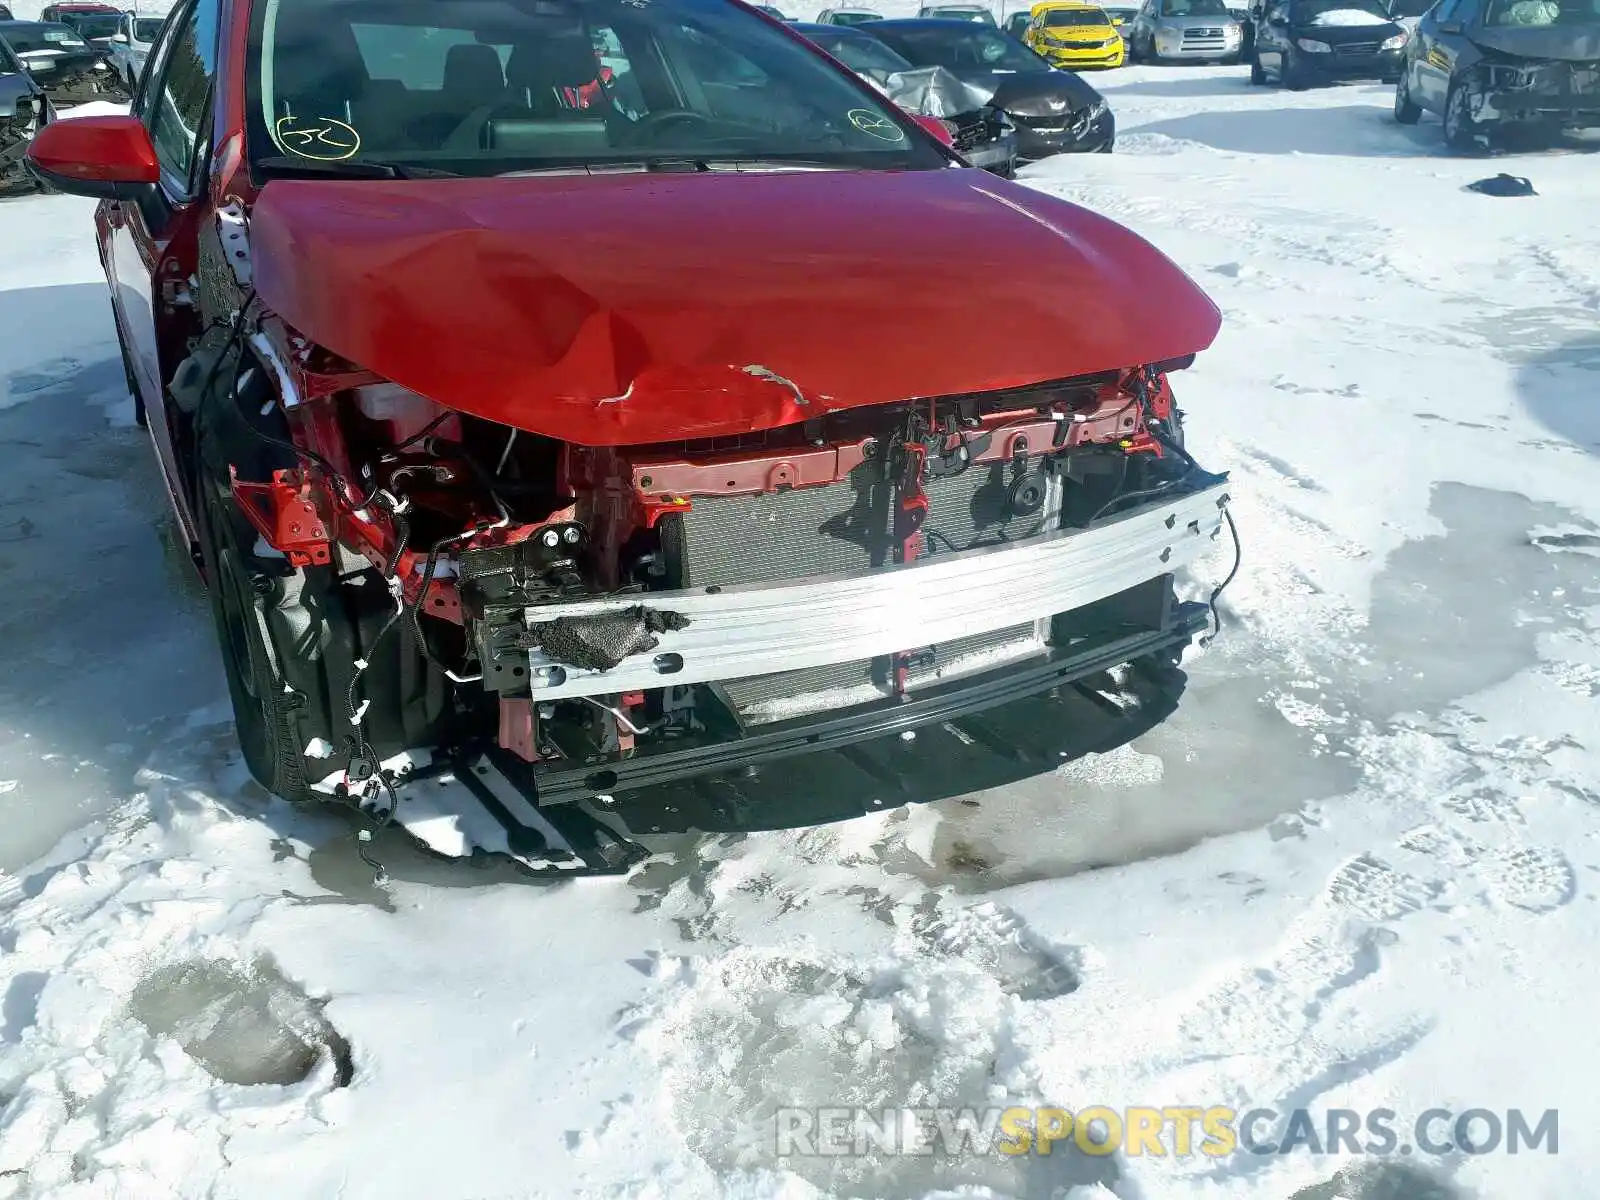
(608, 617)
(1551, 93)
(23, 112)
(707, 606)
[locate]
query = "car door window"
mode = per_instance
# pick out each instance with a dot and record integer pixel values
(178, 102)
(155, 64)
(1447, 10)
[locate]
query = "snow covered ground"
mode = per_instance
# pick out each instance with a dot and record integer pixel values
(1358, 870)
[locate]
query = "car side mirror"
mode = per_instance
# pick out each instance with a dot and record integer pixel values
(120, 38)
(109, 158)
(936, 127)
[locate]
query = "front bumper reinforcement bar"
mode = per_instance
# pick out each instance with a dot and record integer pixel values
(761, 629)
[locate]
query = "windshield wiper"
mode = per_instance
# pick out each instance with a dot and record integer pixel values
(353, 168)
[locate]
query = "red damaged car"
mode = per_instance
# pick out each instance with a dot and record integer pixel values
(567, 398)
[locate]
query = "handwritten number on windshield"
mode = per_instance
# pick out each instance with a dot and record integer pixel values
(320, 138)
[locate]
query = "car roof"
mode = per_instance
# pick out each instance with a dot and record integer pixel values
(925, 23)
(830, 30)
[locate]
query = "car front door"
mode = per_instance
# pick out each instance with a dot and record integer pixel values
(1272, 37)
(151, 242)
(1439, 38)
(1031, 38)
(1133, 30)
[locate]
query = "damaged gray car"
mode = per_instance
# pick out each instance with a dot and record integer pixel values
(1491, 68)
(979, 132)
(23, 112)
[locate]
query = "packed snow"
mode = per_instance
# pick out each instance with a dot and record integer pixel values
(1357, 870)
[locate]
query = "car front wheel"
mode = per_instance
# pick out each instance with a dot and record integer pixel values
(301, 648)
(1462, 132)
(1406, 110)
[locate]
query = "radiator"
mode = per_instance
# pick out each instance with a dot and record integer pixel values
(845, 527)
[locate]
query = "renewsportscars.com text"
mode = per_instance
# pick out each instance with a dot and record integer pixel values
(1179, 1131)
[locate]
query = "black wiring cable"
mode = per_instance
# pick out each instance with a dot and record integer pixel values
(1216, 594)
(235, 347)
(422, 433)
(428, 569)
(1158, 431)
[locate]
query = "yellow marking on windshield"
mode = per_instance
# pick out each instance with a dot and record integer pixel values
(321, 138)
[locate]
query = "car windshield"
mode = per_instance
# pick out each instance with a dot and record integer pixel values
(486, 87)
(95, 25)
(8, 62)
(1193, 8)
(962, 47)
(863, 54)
(146, 30)
(855, 18)
(960, 14)
(1515, 13)
(25, 39)
(1057, 17)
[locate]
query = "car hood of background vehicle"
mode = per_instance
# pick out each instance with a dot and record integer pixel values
(1338, 35)
(1031, 91)
(1568, 43)
(626, 309)
(1207, 21)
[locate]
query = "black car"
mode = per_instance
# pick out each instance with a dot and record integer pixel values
(1054, 111)
(1299, 43)
(96, 28)
(59, 59)
(981, 133)
(23, 112)
(1490, 66)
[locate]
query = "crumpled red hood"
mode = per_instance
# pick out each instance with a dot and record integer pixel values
(626, 309)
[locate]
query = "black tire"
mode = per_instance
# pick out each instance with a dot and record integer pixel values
(289, 637)
(1258, 77)
(1461, 133)
(1406, 110)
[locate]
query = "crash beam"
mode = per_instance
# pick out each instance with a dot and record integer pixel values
(761, 629)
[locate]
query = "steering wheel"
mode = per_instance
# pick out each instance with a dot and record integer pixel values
(652, 123)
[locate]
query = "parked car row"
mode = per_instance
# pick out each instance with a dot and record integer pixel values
(74, 52)
(24, 110)
(62, 61)
(1494, 69)
(1491, 70)
(81, 51)
(1000, 101)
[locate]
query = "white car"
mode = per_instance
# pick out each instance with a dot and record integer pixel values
(130, 45)
(848, 16)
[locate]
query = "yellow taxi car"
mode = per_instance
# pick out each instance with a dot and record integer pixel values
(1070, 33)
